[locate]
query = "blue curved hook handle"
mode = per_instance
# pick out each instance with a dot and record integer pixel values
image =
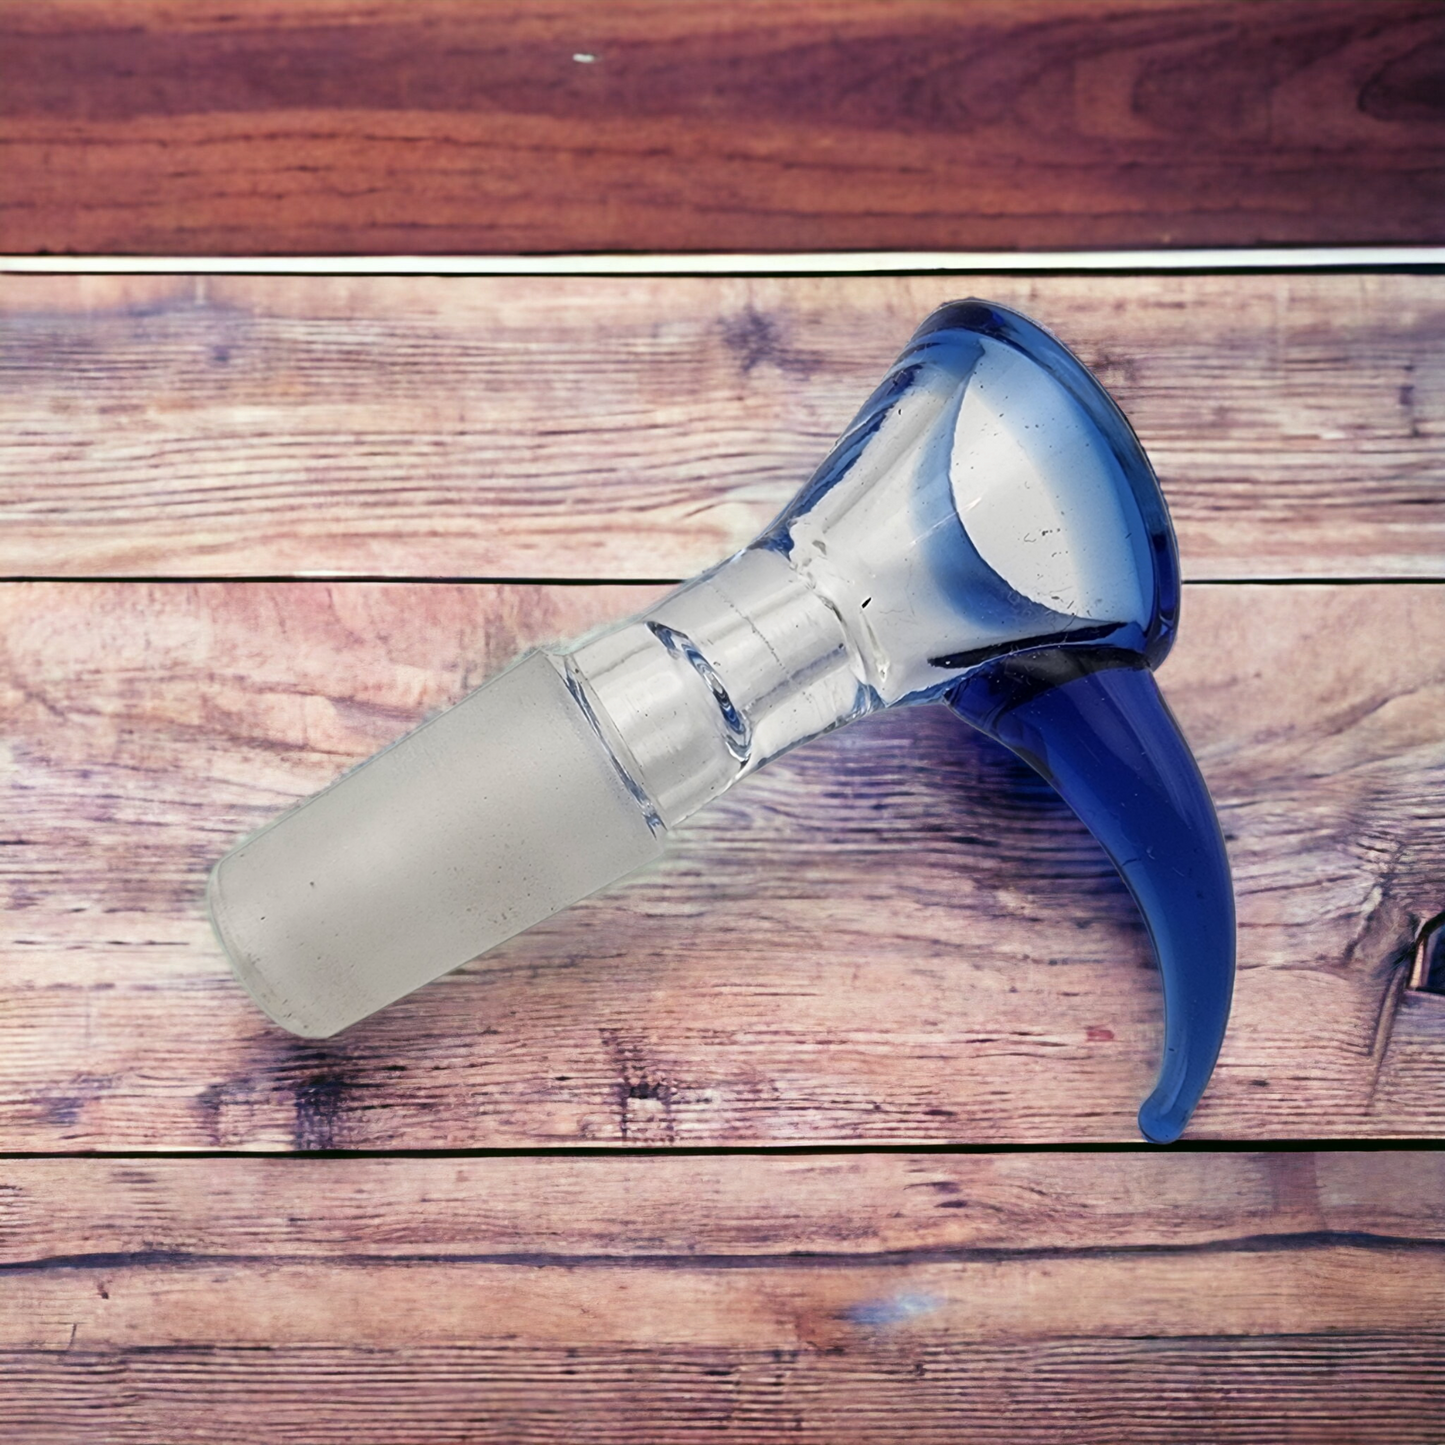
(1095, 726)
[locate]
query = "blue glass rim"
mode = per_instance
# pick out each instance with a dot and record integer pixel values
(986, 318)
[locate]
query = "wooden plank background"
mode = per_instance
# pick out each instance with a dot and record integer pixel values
(616, 428)
(893, 935)
(893, 938)
(708, 1171)
(1264, 1299)
(259, 127)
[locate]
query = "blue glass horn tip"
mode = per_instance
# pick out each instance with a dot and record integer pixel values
(1082, 708)
(1096, 727)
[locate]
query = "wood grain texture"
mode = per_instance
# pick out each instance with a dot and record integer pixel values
(895, 934)
(1352, 1389)
(1150, 1298)
(335, 126)
(641, 428)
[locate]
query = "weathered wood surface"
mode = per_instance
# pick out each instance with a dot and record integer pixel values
(643, 428)
(1257, 1299)
(1329, 1389)
(895, 934)
(331, 126)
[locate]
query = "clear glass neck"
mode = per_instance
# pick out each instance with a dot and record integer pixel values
(718, 678)
(977, 507)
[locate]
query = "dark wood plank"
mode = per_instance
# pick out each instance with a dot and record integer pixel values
(607, 429)
(895, 934)
(329, 126)
(1062, 1299)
